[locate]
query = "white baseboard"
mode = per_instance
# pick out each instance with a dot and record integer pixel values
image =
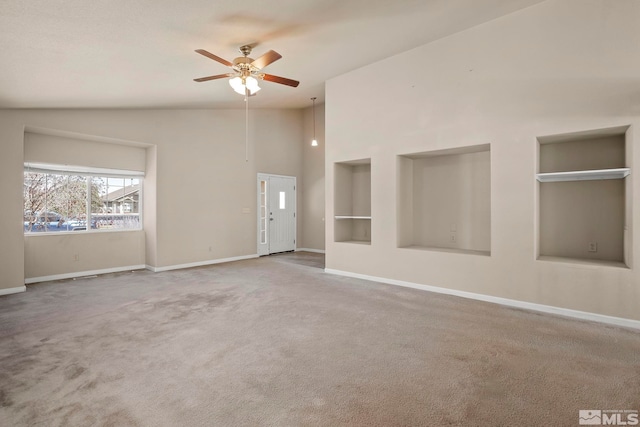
(584, 315)
(31, 280)
(318, 251)
(199, 263)
(9, 291)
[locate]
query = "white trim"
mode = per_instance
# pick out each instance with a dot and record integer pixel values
(601, 318)
(318, 251)
(9, 291)
(31, 280)
(199, 263)
(276, 175)
(84, 232)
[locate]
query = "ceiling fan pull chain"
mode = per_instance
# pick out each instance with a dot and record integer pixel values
(246, 127)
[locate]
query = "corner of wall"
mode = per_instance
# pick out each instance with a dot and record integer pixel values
(11, 177)
(150, 215)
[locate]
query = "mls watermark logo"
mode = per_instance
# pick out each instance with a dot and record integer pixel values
(590, 417)
(607, 417)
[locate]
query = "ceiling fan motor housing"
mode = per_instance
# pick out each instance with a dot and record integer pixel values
(242, 60)
(243, 66)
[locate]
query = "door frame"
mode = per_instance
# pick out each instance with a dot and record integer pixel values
(265, 177)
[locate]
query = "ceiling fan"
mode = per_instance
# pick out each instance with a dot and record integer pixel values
(247, 71)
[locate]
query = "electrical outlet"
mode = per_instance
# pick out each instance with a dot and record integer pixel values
(593, 247)
(453, 238)
(209, 248)
(76, 257)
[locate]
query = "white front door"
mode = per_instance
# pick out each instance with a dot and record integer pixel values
(276, 214)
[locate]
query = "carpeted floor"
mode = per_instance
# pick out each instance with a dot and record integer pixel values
(275, 341)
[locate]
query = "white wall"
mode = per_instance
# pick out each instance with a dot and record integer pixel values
(53, 149)
(54, 254)
(197, 181)
(558, 67)
(11, 181)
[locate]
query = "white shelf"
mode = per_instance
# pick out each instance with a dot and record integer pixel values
(588, 175)
(351, 217)
(356, 242)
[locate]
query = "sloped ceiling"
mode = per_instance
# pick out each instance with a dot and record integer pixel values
(140, 54)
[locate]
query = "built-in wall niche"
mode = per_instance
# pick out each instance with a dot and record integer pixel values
(352, 201)
(584, 199)
(444, 200)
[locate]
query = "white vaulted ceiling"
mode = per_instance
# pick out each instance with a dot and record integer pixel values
(140, 53)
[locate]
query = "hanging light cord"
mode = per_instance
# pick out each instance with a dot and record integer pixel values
(314, 119)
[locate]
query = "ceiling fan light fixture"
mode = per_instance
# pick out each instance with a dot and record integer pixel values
(241, 85)
(237, 85)
(252, 84)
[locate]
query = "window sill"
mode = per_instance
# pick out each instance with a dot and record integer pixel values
(80, 232)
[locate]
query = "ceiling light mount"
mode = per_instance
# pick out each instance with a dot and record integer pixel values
(245, 50)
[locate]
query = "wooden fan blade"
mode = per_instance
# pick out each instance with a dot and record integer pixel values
(281, 80)
(214, 57)
(266, 59)
(217, 76)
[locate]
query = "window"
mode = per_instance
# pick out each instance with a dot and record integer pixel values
(56, 201)
(282, 204)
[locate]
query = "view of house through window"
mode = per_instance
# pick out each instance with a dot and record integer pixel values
(65, 202)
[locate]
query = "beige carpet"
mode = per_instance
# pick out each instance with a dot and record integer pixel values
(276, 342)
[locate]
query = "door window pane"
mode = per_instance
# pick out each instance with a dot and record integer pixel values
(263, 212)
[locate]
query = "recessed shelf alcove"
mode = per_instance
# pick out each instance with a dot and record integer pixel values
(444, 200)
(352, 201)
(584, 198)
